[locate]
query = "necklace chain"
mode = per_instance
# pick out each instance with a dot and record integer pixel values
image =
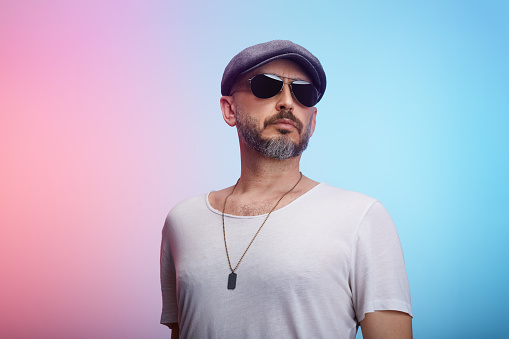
(256, 234)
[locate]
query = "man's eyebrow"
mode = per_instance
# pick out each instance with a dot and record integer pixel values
(281, 76)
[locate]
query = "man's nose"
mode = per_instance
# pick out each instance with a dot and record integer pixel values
(285, 98)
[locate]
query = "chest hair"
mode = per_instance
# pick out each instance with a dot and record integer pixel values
(237, 207)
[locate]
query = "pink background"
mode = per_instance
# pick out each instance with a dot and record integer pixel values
(86, 127)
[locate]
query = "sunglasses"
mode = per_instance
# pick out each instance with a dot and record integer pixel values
(266, 86)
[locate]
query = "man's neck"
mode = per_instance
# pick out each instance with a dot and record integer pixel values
(261, 174)
(262, 182)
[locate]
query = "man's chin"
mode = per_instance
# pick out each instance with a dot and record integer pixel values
(281, 134)
(283, 131)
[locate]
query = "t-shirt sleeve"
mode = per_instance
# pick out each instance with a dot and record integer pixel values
(169, 313)
(378, 280)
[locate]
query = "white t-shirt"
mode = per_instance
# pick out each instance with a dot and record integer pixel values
(317, 266)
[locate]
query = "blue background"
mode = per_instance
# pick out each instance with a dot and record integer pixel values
(415, 114)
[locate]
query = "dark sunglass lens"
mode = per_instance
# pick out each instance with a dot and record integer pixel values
(265, 87)
(305, 93)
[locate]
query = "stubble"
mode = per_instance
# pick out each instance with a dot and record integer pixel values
(280, 147)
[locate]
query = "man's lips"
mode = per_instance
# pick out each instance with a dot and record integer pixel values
(285, 123)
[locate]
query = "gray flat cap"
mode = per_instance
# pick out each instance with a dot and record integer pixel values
(261, 54)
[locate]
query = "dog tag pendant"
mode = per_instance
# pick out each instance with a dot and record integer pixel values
(232, 281)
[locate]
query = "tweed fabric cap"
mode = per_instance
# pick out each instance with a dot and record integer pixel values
(261, 54)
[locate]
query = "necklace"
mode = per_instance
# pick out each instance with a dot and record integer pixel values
(232, 277)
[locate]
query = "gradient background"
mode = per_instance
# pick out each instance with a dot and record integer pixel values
(109, 115)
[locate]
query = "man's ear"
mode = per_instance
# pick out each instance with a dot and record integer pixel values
(228, 107)
(313, 121)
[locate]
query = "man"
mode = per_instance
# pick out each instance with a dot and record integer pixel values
(279, 255)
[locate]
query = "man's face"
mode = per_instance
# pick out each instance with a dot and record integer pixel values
(277, 127)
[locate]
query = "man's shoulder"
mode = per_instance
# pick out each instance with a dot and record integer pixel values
(349, 206)
(186, 213)
(189, 205)
(343, 196)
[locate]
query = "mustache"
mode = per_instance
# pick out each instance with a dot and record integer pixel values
(283, 114)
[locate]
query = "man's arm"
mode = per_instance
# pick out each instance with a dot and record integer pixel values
(386, 324)
(175, 330)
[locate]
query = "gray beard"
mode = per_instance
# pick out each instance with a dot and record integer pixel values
(280, 147)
